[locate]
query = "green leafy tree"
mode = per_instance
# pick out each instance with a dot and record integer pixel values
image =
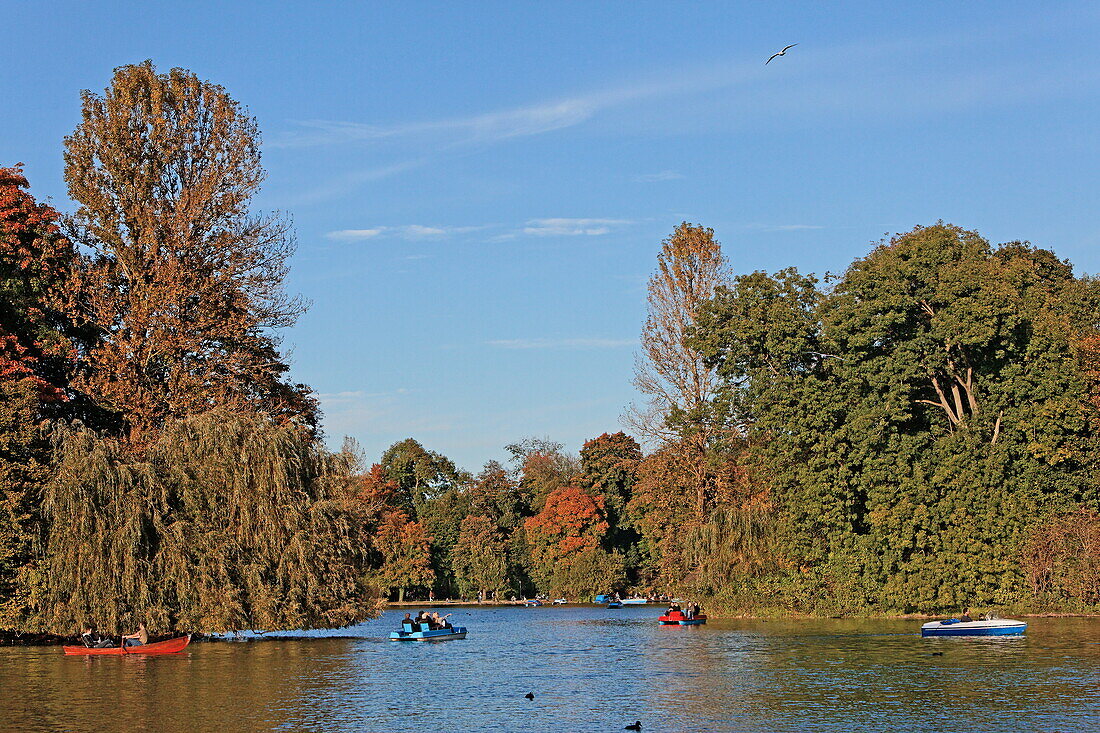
(419, 474)
(228, 521)
(480, 557)
(915, 421)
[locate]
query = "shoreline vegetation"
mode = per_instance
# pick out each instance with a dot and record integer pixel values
(915, 435)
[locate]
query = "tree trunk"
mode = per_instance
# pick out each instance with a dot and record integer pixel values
(400, 595)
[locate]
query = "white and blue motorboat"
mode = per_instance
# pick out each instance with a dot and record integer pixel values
(955, 627)
(424, 634)
(635, 601)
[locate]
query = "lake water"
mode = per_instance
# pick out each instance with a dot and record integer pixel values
(590, 669)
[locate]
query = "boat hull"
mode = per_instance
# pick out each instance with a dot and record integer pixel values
(953, 627)
(170, 646)
(615, 604)
(458, 632)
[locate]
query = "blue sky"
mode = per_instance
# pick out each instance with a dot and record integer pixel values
(480, 189)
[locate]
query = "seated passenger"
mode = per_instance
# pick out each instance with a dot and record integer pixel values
(408, 621)
(966, 616)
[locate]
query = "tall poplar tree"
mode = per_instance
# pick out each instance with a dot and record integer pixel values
(185, 285)
(671, 372)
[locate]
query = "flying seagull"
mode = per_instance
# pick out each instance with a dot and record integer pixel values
(781, 53)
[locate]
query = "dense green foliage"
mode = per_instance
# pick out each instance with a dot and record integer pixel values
(913, 424)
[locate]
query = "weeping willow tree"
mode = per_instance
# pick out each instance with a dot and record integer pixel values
(734, 547)
(228, 521)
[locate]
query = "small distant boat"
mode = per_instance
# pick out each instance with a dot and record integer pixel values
(532, 603)
(407, 634)
(677, 618)
(170, 646)
(615, 604)
(560, 601)
(955, 627)
(635, 601)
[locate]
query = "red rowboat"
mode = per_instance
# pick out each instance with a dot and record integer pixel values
(171, 646)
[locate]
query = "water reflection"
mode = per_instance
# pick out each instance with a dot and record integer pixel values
(589, 668)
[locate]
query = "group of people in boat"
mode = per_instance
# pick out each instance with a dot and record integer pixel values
(426, 621)
(94, 640)
(689, 610)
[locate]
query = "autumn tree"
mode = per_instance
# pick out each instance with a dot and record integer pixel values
(480, 557)
(184, 288)
(571, 523)
(669, 371)
(38, 346)
(543, 466)
(406, 554)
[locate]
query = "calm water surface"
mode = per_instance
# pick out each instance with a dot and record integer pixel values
(591, 669)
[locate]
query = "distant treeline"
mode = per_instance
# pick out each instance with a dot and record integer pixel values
(918, 434)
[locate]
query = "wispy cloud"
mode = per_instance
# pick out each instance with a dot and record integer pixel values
(491, 126)
(566, 343)
(351, 235)
(571, 227)
(549, 227)
(656, 177)
(410, 232)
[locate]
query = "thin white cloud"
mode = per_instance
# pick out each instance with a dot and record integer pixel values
(560, 227)
(355, 234)
(410, 232)
(491, 126)
(656, 177)
(567, 343)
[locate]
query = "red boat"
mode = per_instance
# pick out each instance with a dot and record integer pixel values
(677, 618)
(170, 646)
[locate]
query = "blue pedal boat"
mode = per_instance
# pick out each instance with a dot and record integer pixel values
(407, 634)
(955, 627)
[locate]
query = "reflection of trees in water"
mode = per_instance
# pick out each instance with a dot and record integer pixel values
(218, 687)
(587, 667)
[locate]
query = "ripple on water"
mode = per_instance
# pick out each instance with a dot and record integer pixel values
(590, 669)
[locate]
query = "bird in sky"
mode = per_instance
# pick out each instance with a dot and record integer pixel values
(781, 53)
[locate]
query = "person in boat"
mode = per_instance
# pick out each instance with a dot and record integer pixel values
(673, 608)
(408, 621)
(139, 637)
(94, 640)
(695, 610)
(441, 622)
(966, 616)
